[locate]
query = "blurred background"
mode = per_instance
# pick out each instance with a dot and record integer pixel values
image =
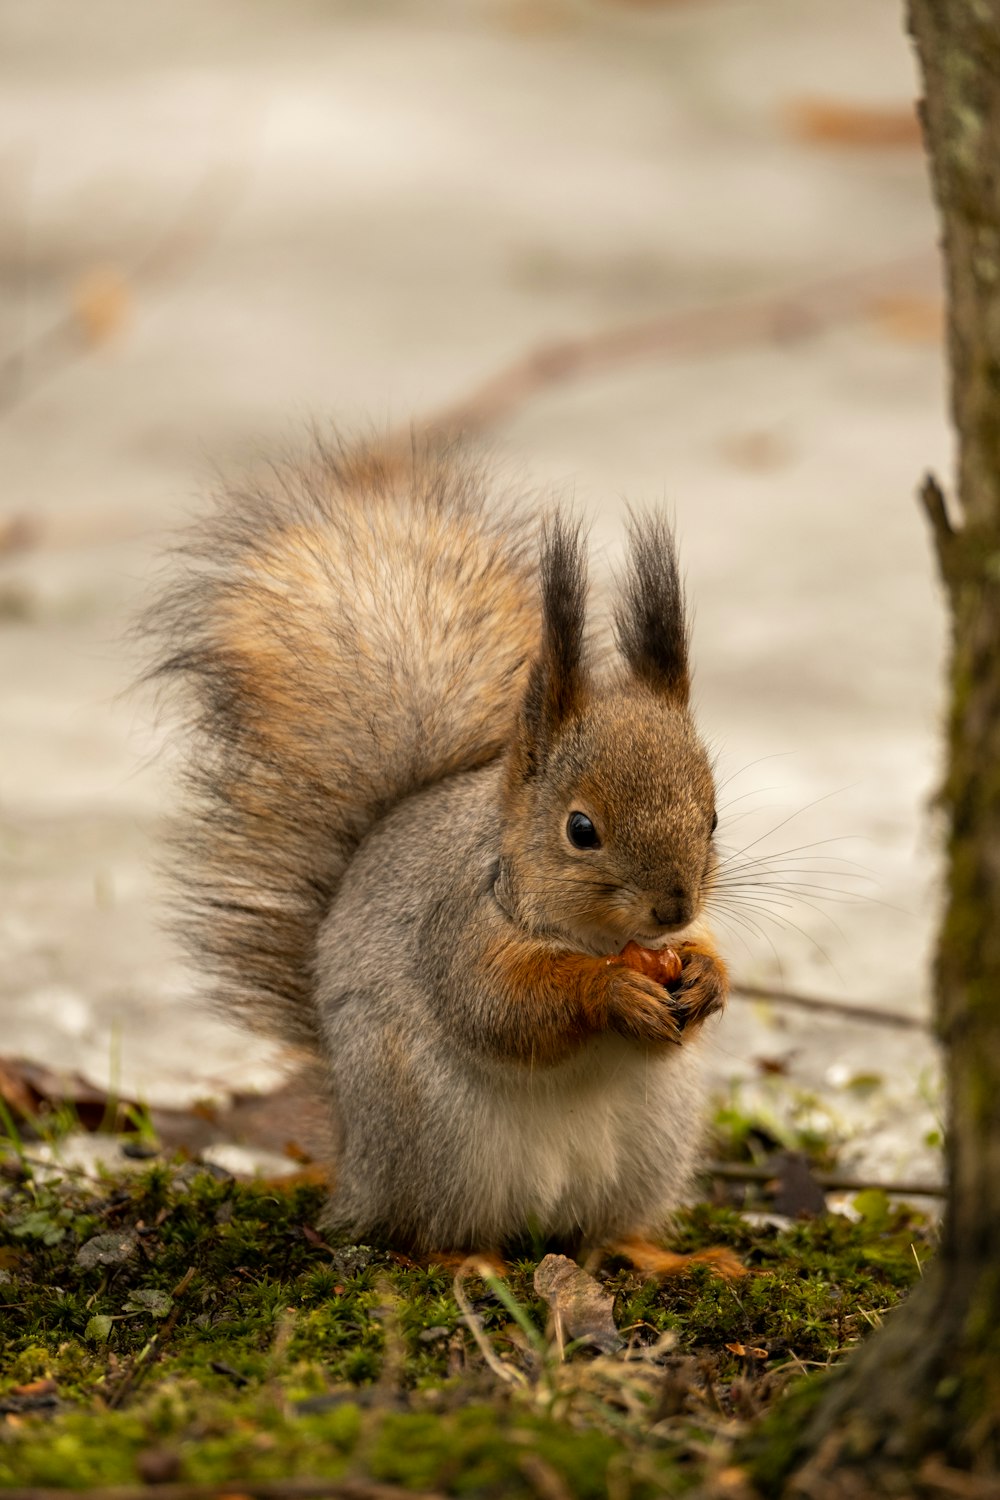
(679, 252)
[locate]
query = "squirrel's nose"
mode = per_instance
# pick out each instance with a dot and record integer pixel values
(675, 910)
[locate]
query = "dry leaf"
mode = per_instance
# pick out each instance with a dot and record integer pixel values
(101, 304)
(30, 1089)
(18, 533)
(537, 18)
(580, 1306)
(911, 320)
(298, 1153)
(828, 123)
(772, 1066)
(761, 452)
(733, 1480)
(41, 1387)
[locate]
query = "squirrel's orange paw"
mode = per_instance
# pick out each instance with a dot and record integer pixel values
(643, 1010)
(703, 987)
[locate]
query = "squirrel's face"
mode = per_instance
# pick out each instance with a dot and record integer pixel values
(611, 841)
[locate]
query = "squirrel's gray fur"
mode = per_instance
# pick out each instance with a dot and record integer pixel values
(393, 714)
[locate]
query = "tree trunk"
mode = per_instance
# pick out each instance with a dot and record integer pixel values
(922, 1400)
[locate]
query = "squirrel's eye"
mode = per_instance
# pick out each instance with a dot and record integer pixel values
(581, 832)
(715, 821)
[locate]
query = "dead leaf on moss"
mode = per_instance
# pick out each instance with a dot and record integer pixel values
(581, 1308)
(42, 1387)
(31, 1089)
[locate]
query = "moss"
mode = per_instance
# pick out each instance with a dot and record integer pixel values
(472, 1453)
(282, 1354)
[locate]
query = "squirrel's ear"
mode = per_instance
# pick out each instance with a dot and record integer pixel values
(556, 682)
(650, 622)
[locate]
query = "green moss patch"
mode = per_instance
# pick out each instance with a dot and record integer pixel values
(186, 1326)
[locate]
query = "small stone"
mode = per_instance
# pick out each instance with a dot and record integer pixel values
(352, 1259)
(140, 1150)
(433, 1335)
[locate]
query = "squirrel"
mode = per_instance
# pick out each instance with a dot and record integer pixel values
(423, 823)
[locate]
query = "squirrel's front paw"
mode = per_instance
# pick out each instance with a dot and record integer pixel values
(642, 1009)
(704, 984)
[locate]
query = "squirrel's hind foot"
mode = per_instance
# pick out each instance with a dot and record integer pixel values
(653, 1260)
(466, 1263)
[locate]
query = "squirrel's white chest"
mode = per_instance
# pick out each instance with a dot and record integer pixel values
(611, 1135)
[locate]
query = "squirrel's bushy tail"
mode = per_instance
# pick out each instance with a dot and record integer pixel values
(355, 628)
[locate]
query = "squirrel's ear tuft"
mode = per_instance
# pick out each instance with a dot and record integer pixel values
(556, 683)
(650, 621)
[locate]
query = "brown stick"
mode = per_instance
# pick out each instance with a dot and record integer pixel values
(936, 510)
(695, 331)
(938, 1477)
(64, 341)
(872, 1013)
(832, 1182)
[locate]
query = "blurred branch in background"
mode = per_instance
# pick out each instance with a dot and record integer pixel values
(104, 296)
(857, 1011)
(781, 318)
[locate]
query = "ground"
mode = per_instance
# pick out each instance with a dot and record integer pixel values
(219, 222)
(177, 1325)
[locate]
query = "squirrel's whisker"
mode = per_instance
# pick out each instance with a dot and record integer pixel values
(761, 759)
(748, 925)
(799, 849)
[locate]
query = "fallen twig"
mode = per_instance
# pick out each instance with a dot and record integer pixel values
(833, 1182)
(695, 331)
(935, 507)
(845, 1008)
(935, 1475)
(67, 339)
(500, 1368)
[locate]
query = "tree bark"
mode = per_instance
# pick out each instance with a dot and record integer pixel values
(921, 1401)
